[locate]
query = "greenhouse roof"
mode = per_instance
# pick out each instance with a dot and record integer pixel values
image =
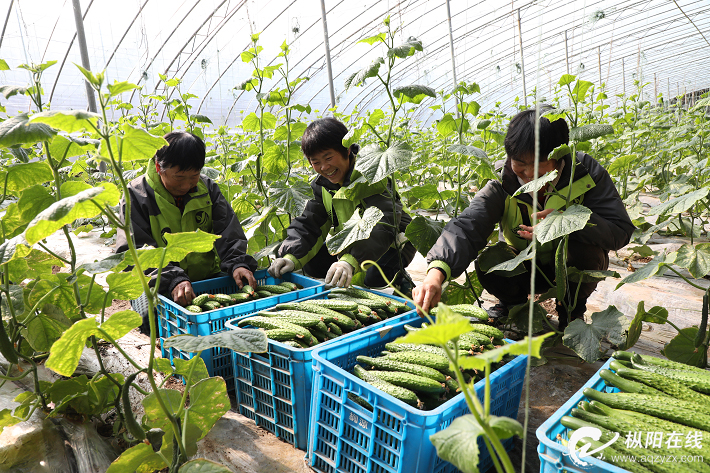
(665, 43)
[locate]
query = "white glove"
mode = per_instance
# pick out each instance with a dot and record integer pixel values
(339, 274)
(281, 266)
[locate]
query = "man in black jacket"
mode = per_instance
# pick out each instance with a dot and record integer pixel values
(464, 237)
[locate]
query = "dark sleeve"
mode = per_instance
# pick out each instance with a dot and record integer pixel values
(465, 236)
(172, 273)
(306, 233)
(382, 236)
(612, 228)
(232, 247)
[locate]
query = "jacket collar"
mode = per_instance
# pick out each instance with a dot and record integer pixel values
(511, 184)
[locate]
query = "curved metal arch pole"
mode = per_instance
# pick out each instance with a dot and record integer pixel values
(7, 18)
(140, 10)
(66, 55)
(130, 99)
(209, 17)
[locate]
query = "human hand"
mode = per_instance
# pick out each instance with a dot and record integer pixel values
(183, 293)
(526, 231)
(240, 274)
(280, 266)
(428, 294)
(340, 274)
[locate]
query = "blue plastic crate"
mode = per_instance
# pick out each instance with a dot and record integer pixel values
(173, 319)
(274, 388)
(554, 457)
(393, 437)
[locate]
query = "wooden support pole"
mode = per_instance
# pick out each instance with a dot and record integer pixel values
(566, 53)
(623, 73)
(599, 57)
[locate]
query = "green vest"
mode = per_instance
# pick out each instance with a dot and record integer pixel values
(197, 215)
(512, 216)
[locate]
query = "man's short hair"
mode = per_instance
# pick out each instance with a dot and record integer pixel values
(184, 151)
(323, 134)
(520, 139)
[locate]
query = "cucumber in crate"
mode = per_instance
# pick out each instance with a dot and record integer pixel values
(219, 300)
(274, 388)
(380, 420)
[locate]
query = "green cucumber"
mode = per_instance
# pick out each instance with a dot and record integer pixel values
(437, 362)
(467, 310)
(333, 304)
(192, 308)
(693, 379)
(628, 386)
(274, 288)
(397, 392)
(391, 365)
(487, 330)
(262, 293)
(201, 299)
(626, 356)
(410, 381)
(668, 386)
(247, 289)
(289, 285)
(333, 327)
(280, 334)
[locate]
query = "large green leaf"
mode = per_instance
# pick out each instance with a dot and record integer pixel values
(458, 443)
(586, 339)
(179, 246)
(120, 323)
(154, 416)
(11, 90)
(536, 184)
(509, 265)
(519, 315)
(65, 353)
(17, 300)
(291, 197)
(106, 264)
(201, 465)
(682, 349)
(355, 229)
(411, 46)
(376, 164)
(448, 325)
(69, 120)
(208, 402)
(381, 37)
(243, 341)
(33, 200)
(15, 247)
(447, 125)
(580, 90)
(18, 130)
(427, 194)
(635, 327)
(359, 77)
(521, 347)
(680, 204)
(589, 275)
(468, 151)
(134, 457)
(138, 144)
(68, 146)
(42, 332)
(23, 176)
(274, 160)
(413, 93)
(588, 132)
(423, 233)
(67, 210)
(118, 88)
(184, 367)
(621, 163)
(556, 224)
(695, 258)
(657, 265)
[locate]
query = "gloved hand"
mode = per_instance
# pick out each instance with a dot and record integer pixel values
(281, 266)
(340, 274)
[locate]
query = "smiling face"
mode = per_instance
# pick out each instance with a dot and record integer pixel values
(525, 169)
(177, 181)
(331, 164)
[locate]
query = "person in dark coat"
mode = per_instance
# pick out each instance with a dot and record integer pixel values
(609, 228)
(171, 197)
(334, 202)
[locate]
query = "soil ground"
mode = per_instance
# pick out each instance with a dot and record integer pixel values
(238, 443)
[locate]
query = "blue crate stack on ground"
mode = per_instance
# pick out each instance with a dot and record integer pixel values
(274, 388)
(554, 457)
(173, 319)
(394, 437)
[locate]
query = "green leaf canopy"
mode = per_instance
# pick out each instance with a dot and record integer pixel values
(680, 204)
(18, 130)
(69, 121)
(413, 93)
(359, 77)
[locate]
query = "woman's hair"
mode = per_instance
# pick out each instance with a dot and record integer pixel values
(323, 134)
(520, 140)
(184, 151)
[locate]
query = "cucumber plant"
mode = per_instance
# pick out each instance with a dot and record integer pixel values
(49, 316)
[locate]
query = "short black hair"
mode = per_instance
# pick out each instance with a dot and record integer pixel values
(520, 140)
(184, 151)
(323, 134)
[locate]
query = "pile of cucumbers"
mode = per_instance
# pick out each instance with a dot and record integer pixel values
(306, 323)
(668, 400)
(206, 302)
(419, 374)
